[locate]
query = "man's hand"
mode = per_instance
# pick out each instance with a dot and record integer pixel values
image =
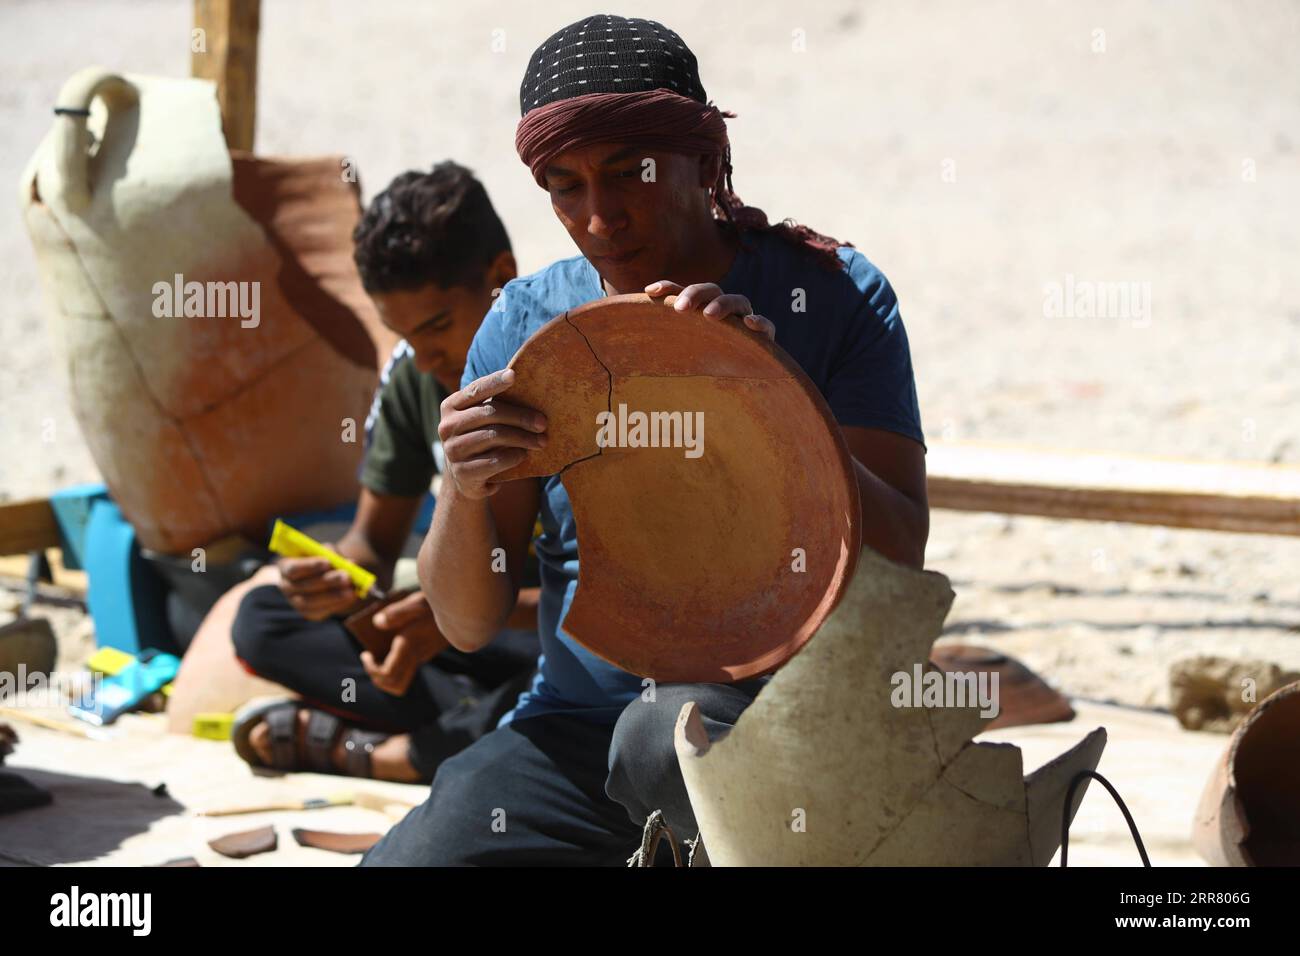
(713, 303)
(418, 640)
(314, 589)
(482, 437)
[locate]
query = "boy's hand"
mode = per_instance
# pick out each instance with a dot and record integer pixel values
(315, 589)
(418, 640)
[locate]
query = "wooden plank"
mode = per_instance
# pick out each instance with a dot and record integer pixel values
(27, 526)
(14, 567)
(226, 52)
(50, 722)
(1215, 496)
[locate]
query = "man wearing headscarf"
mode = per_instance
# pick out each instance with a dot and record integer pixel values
(618, 130)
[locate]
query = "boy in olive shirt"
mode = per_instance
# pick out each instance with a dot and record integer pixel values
(430, 250)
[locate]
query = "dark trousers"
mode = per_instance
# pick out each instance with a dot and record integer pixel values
(556, 790)
(453, 700)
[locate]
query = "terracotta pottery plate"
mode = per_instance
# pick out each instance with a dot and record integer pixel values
(716, 504)
(1023, 697)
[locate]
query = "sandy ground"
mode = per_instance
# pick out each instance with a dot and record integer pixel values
(976, 153)
(1156, 767)
(106, 810)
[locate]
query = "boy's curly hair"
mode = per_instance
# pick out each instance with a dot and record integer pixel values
(437, 227)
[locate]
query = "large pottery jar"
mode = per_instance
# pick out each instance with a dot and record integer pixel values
(220, 350)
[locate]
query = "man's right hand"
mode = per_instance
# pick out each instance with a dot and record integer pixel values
(482, 437)
(314, 589)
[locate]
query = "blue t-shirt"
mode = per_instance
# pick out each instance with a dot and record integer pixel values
(842, 328)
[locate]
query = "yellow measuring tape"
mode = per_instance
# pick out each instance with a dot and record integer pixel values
(292, 543)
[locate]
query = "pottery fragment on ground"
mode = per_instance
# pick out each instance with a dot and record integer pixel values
(28, 642)
(246, 843)
(823, 770)
(335, 842)
(1024, 697)
(689, 565)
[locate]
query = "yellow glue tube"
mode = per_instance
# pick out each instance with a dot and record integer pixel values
(292, 543)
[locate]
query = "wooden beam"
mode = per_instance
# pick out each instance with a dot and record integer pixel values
(226, 52)
(14, 567)
(28, 526)
(1215, 496)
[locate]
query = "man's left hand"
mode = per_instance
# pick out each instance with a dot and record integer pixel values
(712, 303)
(417, 640)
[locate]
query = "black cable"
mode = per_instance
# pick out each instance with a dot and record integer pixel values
(1069, 801)
(71, 111)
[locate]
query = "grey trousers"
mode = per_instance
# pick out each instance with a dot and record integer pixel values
(560, 790)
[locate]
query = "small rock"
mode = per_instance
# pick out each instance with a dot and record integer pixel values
(1214, 693)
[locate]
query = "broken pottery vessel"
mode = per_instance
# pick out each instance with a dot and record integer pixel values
(1249, 814)
(717, 554)
(823, 770)
(201, 425)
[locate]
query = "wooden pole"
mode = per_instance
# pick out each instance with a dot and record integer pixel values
(224, 49)
(27, 526)
(1213, 496)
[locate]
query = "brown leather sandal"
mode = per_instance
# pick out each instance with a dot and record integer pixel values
(313, 753)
